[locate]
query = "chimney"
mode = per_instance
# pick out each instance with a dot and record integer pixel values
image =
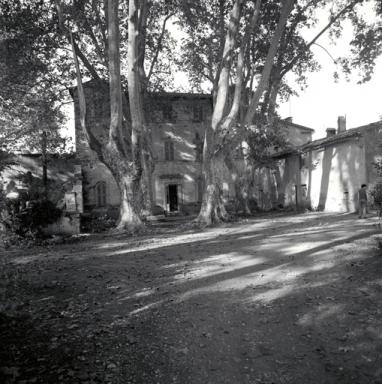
(330, 132)
(289, 119)
(341, 124)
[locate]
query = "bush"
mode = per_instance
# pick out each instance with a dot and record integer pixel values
(29, 221)
(96, 222)
(376, 193)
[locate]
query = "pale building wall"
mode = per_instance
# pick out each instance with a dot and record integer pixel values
(337, 174)
(186, 136)
(184, 130)
(297, 136)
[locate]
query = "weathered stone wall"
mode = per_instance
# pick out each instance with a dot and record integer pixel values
(176, 118)
(179, 121)
(296, 135)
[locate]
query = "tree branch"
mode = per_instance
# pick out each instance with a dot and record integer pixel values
(285, 12)
(159, 47)
(290, 65)
(92, 140)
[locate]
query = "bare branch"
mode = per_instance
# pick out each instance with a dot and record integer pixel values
(159, 47)
(348, 8)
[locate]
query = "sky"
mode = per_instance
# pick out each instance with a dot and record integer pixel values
(324, 100)
(320, 104)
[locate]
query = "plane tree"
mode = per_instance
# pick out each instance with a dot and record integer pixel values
(229, 75)
(48, 34)
(276, 47)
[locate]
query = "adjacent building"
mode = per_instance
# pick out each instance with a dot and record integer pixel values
(326, 174)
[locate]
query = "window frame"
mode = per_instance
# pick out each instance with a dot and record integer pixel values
(197, 113)
(169, 151)
(101, 194)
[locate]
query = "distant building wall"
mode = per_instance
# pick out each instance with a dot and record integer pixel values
(297, 135)
(337, 173)
(331, 170)
(373, 151)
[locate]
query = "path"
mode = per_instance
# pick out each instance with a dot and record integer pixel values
(279, 300)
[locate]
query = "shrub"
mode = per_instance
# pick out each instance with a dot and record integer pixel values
(29, 221)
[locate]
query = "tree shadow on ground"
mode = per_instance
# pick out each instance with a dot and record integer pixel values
(294, 300)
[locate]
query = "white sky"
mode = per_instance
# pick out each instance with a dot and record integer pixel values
(324, 100)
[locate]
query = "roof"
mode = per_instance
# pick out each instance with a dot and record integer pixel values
(327, 141)
(181, 95)
(291, 123)
(339, 137)
(172, 95)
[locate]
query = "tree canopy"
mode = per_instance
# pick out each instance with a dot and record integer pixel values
(242, 49)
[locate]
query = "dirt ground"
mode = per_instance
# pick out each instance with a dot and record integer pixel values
(277, 299)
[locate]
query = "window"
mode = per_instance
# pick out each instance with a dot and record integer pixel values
(168, 113)
(197, 113)
(100, 194)
(168, 150)
(198, 143)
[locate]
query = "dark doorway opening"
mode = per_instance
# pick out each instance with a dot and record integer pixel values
(172, 197)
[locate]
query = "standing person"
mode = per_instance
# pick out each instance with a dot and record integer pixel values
(362, 201)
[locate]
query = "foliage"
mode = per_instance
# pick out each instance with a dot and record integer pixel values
(204, 24)
(31, 76)
(378, 166)
(96, 223)
(87, 20)
(366, 44)
(28, 221)
(376, 193)
(262, 139)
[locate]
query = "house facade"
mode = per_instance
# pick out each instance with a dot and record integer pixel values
(177, 123)
(326, 174)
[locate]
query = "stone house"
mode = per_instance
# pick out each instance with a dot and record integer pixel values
(326, 174)
(177, 122)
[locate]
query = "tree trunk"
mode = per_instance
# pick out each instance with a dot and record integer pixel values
(121, 169)
(142, 159)
(268, 65)
(212, 209)
(147, 178)
(241, 185)
(116, 153)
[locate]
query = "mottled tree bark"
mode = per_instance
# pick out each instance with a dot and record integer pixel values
(212, 209)
(123, 162)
